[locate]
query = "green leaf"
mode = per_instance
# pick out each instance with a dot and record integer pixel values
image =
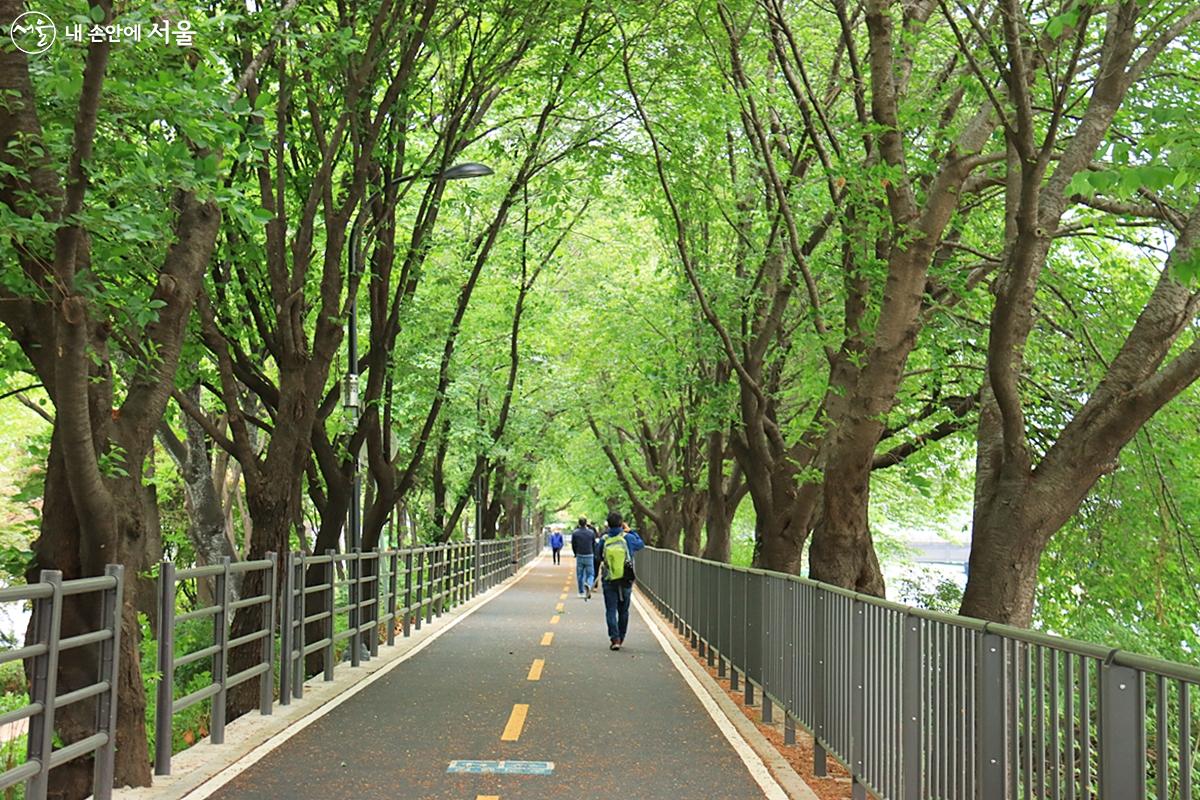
(1155, 177)
(1187, 270)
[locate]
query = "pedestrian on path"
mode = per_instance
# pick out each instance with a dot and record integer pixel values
(617, 573)
(585, 562)
(556, 546)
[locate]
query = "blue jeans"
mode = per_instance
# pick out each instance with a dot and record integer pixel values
(617, 595)
(585, 571)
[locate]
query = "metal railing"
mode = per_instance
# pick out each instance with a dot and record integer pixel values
(918, 704)
(44, 649)
(373, 592)
(221, 578)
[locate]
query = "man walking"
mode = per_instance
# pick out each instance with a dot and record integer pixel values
(618, 546)
(556, 545)
(585, 562)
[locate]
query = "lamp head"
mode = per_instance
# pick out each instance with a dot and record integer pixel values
(467, 170)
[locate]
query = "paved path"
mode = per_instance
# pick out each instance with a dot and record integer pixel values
(616, 725)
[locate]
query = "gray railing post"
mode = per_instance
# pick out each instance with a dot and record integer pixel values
(465, 576)
(393, 587)
(858, 657)
(989, 718)
(440, 583)
(286, 622)
(910, 707)
(355, 594)
(408, 580)
(1122, 728)
(110, 666)
(375, 571)
(266, 682)
(820, 701)
(376, 588)
(165, 695)
(299, 612)
(44, 687)
(330, 587)
(221, 657)
(754, 642)
(478, 567)
(437, 575)
(418, 584)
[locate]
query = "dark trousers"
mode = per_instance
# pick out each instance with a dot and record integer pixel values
(617, 595)
(557, 557)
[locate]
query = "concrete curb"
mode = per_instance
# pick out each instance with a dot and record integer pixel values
(787, 778)
(204, 767)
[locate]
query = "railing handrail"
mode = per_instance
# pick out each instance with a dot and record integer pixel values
(1126, 658)
(48, 595)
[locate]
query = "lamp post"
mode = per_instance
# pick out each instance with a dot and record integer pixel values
(456, 172)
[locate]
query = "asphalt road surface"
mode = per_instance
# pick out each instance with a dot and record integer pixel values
(614, 724)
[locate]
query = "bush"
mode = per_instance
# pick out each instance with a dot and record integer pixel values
(12, 678)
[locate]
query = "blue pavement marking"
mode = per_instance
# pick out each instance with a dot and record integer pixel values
(502, 767)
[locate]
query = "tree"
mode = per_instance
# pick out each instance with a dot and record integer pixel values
(810, 220)
(102, 322)
(1022, 497)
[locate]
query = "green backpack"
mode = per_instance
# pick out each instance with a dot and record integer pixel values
(616, 554)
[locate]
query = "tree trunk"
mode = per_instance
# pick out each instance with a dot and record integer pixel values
(724, 496)
(1003, 568)
(78, 555)
(206, 513)
(270, 508)
(666, 525)
(784, 509)
(693, 522)
(842, 552)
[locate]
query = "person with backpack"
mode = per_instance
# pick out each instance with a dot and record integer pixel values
(617, 574)
(556, 546)
(585, 562)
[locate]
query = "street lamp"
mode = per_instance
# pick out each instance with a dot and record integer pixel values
(453, 173)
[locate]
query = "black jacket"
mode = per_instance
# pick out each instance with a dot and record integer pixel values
(581, 541)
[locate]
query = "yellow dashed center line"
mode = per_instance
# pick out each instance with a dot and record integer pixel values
(535, 670)
(559, 608)
(516, 721)
(562, 596)
(547, 638)
(554, 620)
(487, 797)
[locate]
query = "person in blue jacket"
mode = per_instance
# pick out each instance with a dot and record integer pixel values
(619, 591)
(556, 545)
